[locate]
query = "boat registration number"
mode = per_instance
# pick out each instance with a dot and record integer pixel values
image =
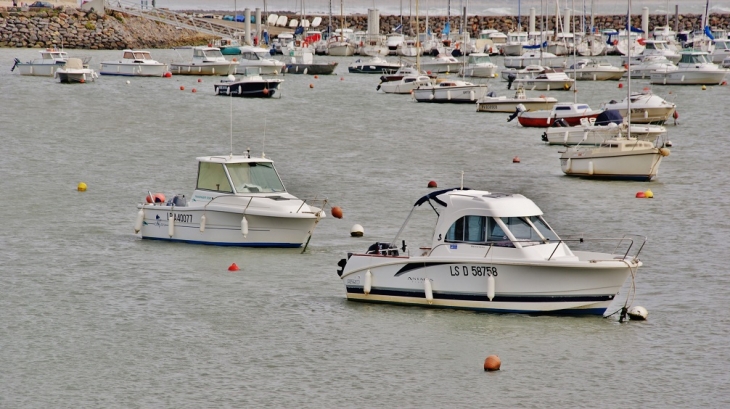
(484, 107)
(475, 271)
(181, 217)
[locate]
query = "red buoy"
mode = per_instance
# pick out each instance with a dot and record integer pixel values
(195, 90)
(620, 84)
(233, 267)
(265, 91)
(342, 78)
(311, 85)
(336, 212)
(640, 195)
(182, 88)
(432, 183)
(200, 80)
(167, 74)
(492, 363)
(316, 76)
(675, 115)
(516, 159)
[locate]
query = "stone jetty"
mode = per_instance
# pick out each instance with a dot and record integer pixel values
(75, 28)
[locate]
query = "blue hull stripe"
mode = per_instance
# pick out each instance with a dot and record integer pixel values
(260, 244)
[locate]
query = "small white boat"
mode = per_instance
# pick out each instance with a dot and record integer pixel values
(531, 71)
(205, 61)
(257, 57)
(491, 252)
(405, 85)
(493, 103)
(340, 44)
(74, 71)
(548, 80)
(478, 65)
(646, 108)
(450, 91)
(373, 65)
(441, 64)
(618, 158)
(588, 133)
(721, 51)
(393, 42)
(239, 200)
(658, 48)
(695, 68)
(46, 66)
(136, 63)
(595, 70)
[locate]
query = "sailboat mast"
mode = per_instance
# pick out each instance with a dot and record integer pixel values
(628, 70)
(575, 74)
(342, 21)
(418, 44)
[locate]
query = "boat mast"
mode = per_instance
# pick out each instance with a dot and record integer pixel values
(575, 69)
(342, 21)
(628, 70)
(418, 44)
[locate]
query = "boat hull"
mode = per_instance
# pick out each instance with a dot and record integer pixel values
(38, 70)
(548, 287)
(544, 85)
(689, 77)
(341, 50)
(597, 135)
(547, 121)
(455, 95)
(596, 75)
(248, 89)
(263, 69)
(510, 106)
(640, 166)
(133, 70)
(224, 228)
(372, 69)
(203, 69)
(311, 69)
(74, 77)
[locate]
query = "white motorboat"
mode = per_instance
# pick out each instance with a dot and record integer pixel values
(588, 133)
(136, 63)
(405, 85)
(593, 69)
(74, 71)
(531, 71)
(450, 91)
(649, 65)
(393, 42)
(205, 61)
(46, 66)
(250, 85)
(373, 65)
(695, 68)
(441, 64)
(568, 113)
(548, 80)
(478, 65)
(535, 57)
(491, 252)
(493, 103)
(646, 108)
(258, 57)
(658, 48)
(721, 51)
(238, 200)
(515, 41)
(620, 158)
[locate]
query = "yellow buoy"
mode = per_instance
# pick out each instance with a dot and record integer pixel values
(81, 187)
(704, 88)
(649, 194)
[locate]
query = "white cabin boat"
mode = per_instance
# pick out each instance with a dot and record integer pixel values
(441, 64)
(548, 80)
(535, 58)
(646, 108)
(205, 61)
(695, 68)
(649, 65)
(405, 85)
(46, 66)
(478, 65)
(450, 91)
(238, 200)
(136, 63)
(493, 103)
(491, 252)
(588, 133)
(258, 57)
(658, 48)
(593, 69)
(74, 71)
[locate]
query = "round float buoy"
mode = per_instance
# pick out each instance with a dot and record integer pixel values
(311, 85)
(235, 59)
(265, 91)
(704, 88)
(342, 78)
(194, 90)
(675, 115)
(428, 72)
(723, 83)
(82, 80)
(638, 313)
(81, 187)
(200, 80)
(182, 88)
(649, 194)
(620, 84)
(357, 231)
(432, 183)
(231, 77)
(664, 151)
(336, 212)
(128, 82)
(640, 195)
(233, 267)
(167, 74)
(316, 76)
(492, 363)
(516, 159)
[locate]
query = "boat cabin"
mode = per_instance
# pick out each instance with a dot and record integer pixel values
(695, 57)
(235, 175)
(138, 56)
(52, 55)
(207, 54)
(255, 53)
(479, 58)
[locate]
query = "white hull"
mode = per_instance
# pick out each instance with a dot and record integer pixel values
(76, 76)
(479, 72)
(544, 85)
(341, 50)
(38, 70)
(635, 165)
(469, 94)
(204, 69)
(374, 50)
(595, 135)
(512, 50)
(509, 105)
(136, 70)
(223, 228)
(682, 77)
(440, 67)
(595, 75)
(575, 286)
(268, 69)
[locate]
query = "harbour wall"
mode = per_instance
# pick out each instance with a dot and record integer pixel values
(76, 28)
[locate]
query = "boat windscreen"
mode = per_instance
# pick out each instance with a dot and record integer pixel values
(523, 231)
(255, 177)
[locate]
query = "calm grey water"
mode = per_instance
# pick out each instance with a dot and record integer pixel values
(92, 316)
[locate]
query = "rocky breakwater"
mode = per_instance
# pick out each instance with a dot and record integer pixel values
(76, 28)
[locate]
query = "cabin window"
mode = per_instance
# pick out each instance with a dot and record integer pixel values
(582, 107)
(563, 108)
(198, 53)
(543, 228)
(128, 55)
(212, 176)
(213, 53)
(468, 229)
(255, 177)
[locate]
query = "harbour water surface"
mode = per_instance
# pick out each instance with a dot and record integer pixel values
(92, 316)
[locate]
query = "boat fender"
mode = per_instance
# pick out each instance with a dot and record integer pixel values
(139, 221)
(664, 151)
(202, 223)
(244, 226)
(590, 168)
(490, 287)
(171, 226)
(428, 290)
(368, 283)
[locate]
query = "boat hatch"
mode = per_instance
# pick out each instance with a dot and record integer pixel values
(483, 230)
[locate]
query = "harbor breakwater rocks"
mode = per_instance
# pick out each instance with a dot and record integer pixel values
(76, 28)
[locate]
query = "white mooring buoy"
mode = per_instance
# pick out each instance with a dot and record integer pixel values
(638, 313)
(357, 231)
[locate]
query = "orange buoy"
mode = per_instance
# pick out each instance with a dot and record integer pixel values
(342, 78)
(620, 84)
(156, 198)
(428, 72)
(195, 90)
(492, 363)
(235, 59)
(167, 74)
(336, 212)
(516, 159)
(265, 91)
(432, 183)
(316, 76)
(233, 267)
(723, 83)
(182, 88)
(82, 80)
(311, 85)
(640, 195)
(200, 80)
(675, 115)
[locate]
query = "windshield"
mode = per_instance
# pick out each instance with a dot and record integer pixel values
(480, 60)
(255, 177)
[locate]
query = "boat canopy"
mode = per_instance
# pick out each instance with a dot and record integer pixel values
(694, 58)
(238, 174)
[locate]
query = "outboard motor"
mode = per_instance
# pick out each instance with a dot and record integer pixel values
(17, 61)
(456, 53)
(434, 52)
(382, 248)
(510, 79)
(491, 94)
(560, 123)
(518, 109)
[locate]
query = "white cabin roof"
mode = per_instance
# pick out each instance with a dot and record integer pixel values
(232, 159)
(490, 203)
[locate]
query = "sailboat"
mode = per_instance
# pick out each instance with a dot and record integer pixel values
(623, 157)
(340, 45)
